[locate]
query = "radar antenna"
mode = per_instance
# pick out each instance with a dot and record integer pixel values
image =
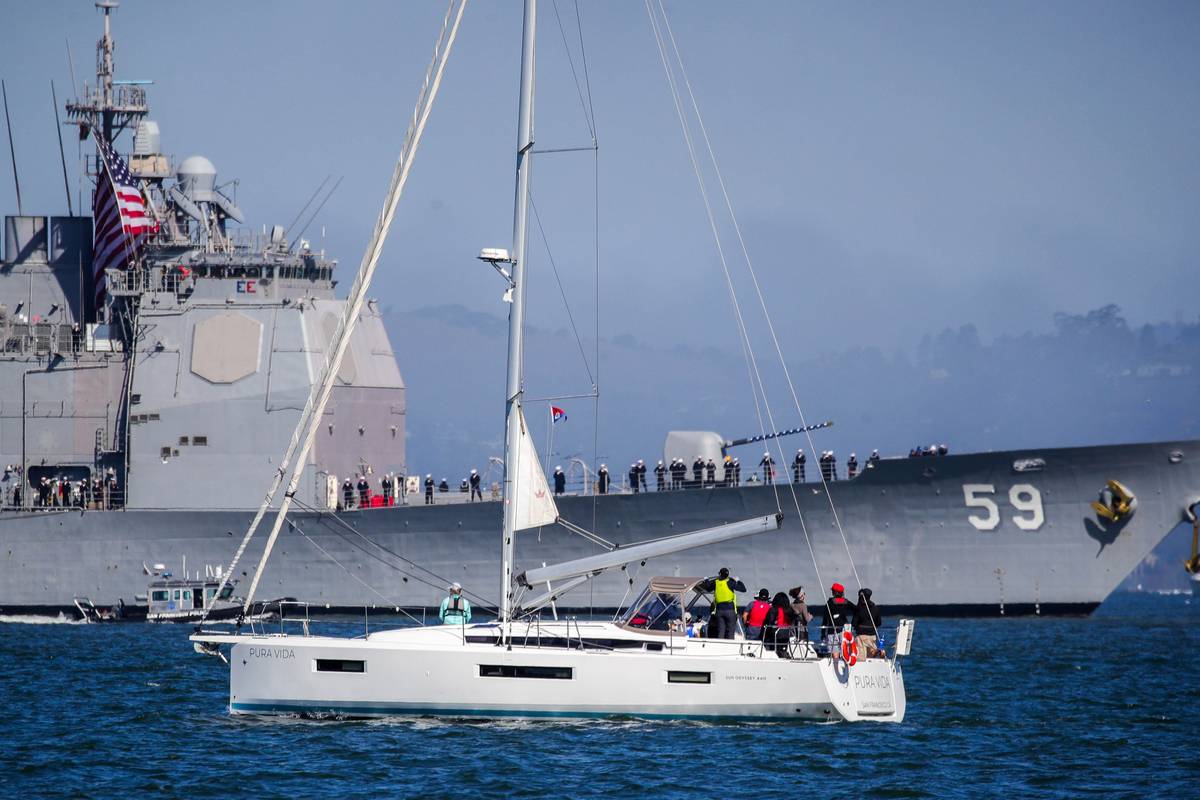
(110, 104)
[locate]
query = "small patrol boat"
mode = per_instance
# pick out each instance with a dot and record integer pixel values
(643, 663)
(172, 599)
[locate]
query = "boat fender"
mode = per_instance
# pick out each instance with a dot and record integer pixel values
(849, 648)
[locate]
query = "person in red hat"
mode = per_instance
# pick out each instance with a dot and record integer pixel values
(839, 612)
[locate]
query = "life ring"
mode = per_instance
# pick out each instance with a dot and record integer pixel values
(849, 648)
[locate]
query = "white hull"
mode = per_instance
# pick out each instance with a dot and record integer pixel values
(433, 671)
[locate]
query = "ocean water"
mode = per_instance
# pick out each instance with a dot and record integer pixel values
(1103, 707)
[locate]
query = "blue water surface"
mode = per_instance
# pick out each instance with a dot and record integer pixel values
(1101, 707)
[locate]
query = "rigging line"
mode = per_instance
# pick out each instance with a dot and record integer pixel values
(317, 211)
(441, 580)
(747, 349)
(318, 396)
(481, 602)
(347, 570)
(580, 149)
(752, 364)
(304, 208)
(554, 267)
(761, 300)
(587, 82)
(629, 581)
(766, 404)
(578, 89)
(583, 61)
(596, 341)
(594, 538)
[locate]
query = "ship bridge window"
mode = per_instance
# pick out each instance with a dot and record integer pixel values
(160, 595)
(522, 671)
(340, 665)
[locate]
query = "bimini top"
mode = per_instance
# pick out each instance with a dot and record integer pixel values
(672, 585)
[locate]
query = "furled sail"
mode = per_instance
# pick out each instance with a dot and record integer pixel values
(530, 493)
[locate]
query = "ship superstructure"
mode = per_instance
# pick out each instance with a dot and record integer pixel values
(174, 381)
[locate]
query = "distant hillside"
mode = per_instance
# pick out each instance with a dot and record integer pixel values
(1091, 380)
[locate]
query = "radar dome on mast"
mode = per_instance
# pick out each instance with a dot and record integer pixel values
(197, 179)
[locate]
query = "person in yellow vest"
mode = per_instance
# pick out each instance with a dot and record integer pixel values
(724, 603)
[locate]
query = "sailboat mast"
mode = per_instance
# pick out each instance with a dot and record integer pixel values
(516, 313)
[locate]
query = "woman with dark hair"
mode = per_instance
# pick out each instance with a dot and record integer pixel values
(779, 624)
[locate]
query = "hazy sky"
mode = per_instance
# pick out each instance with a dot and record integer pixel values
(897, 167)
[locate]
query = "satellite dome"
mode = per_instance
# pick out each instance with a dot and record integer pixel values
(197, 178)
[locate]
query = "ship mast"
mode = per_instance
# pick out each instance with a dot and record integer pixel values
(516, 315)
(110, 104)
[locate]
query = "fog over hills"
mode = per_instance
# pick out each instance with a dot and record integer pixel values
(1092, 379)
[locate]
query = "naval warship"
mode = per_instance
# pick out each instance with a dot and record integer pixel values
(142, 404)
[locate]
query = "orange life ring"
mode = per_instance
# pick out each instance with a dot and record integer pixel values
(849, 648)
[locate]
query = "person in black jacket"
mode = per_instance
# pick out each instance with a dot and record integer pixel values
(839, 612)
(660, 475)
(798, 467)
(633, 478)
(428, 489)
(698, 473)
(678, 471)
(476, 491)
(867, 622)
(768, 465)
(602, 480)
(779, 625)
(724, 603)
(560, 480)
(364, 492)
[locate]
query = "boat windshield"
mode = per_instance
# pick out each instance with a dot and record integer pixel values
(655, 611)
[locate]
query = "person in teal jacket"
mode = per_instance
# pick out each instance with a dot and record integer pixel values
(455, 609)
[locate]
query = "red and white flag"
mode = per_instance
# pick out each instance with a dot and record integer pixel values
(557, 414)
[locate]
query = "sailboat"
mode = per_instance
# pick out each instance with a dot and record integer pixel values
(644, 663)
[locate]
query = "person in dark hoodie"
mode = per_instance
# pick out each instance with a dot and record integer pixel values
(800, 609)
(867, 622)
(779, 625)
(839, 612)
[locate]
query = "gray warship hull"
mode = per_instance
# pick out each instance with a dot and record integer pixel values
(951, 535)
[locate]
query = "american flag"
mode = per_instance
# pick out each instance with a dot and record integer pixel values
(118, 215)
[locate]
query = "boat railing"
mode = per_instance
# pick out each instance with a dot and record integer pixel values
(16, 495)
(295, 617)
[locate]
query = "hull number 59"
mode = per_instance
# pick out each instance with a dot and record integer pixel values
(1024, 498)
